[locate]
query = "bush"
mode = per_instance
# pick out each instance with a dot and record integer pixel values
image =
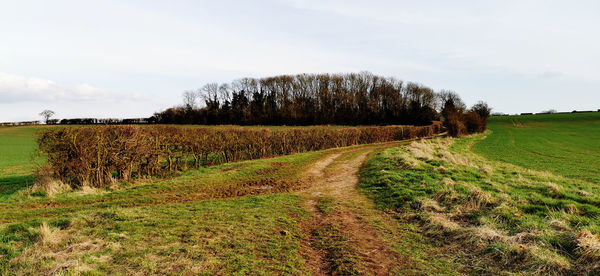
(475, 123)
(460, 123)
(455, 125)
(98, 155)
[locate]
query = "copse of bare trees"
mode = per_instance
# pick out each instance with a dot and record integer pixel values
(308, 99)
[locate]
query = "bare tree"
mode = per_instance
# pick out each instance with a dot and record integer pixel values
(47, 114)
(189, 99)
(305, 99)
(210, 92)
(225, 92)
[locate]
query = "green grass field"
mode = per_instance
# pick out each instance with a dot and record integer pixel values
(490, 216)
(238, 218)
(199, 221)
(17, 156)
(566, 144)
(522, 198)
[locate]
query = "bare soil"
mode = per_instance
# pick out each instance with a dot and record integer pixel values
(336, 177)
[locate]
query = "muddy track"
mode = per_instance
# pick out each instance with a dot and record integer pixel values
(335, 177)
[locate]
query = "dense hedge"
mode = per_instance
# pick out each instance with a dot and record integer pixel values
(100, 154)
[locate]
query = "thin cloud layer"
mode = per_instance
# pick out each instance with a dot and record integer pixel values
(17, 88)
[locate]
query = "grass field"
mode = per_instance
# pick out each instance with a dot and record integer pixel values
(474, 205)
(523, 198)
(492, 217)
(566, 144)
(168, 226)
(238, 218)
(17, 153)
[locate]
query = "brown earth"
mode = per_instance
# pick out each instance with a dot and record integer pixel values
(335, 177)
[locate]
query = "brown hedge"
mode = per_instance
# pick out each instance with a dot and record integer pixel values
(98, 155)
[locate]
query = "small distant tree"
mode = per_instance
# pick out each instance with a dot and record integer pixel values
(47, 114)
(549, 111)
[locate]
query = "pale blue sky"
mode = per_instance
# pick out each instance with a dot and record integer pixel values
(131, 58)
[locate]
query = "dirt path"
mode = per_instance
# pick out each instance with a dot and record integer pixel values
(335, 178)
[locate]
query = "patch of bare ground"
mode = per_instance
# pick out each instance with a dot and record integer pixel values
(341, 241)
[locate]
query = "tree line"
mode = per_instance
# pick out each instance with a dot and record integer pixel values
(307, 99)
(319, 99)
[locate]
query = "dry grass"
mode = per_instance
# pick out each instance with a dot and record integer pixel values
(487, 169)
(50, 187)
(482, 235)
(523, 238)
(553, 188)
(48, 236)
(448, 182)
(430, 205)
(442, 169)
(60, 251)
(454, 158)
(422, 150)
(547, 262)
(589, 246)
(409, 161)
(571, 209)
(442, 222)
(87, 190)
(559, 225)
(446, 195)
(437, 148)
(479, 199)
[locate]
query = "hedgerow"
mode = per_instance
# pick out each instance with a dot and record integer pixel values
(99, 155)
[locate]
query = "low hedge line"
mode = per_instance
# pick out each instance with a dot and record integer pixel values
(98, 155)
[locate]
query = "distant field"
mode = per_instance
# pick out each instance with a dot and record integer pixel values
(17, 144)
(566, 144)
(17, 148)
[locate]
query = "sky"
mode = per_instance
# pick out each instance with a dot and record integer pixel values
(125, 59)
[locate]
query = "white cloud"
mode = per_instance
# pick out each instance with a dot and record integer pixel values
(17, 88)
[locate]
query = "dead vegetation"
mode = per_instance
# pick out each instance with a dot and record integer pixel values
(62, 251)
(100, 155)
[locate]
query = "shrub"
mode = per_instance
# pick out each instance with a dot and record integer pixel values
(460, 123)
(474, 122)
(455, 125)
(99, 155)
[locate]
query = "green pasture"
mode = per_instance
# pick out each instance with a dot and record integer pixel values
(490, 217)
(566, 144)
